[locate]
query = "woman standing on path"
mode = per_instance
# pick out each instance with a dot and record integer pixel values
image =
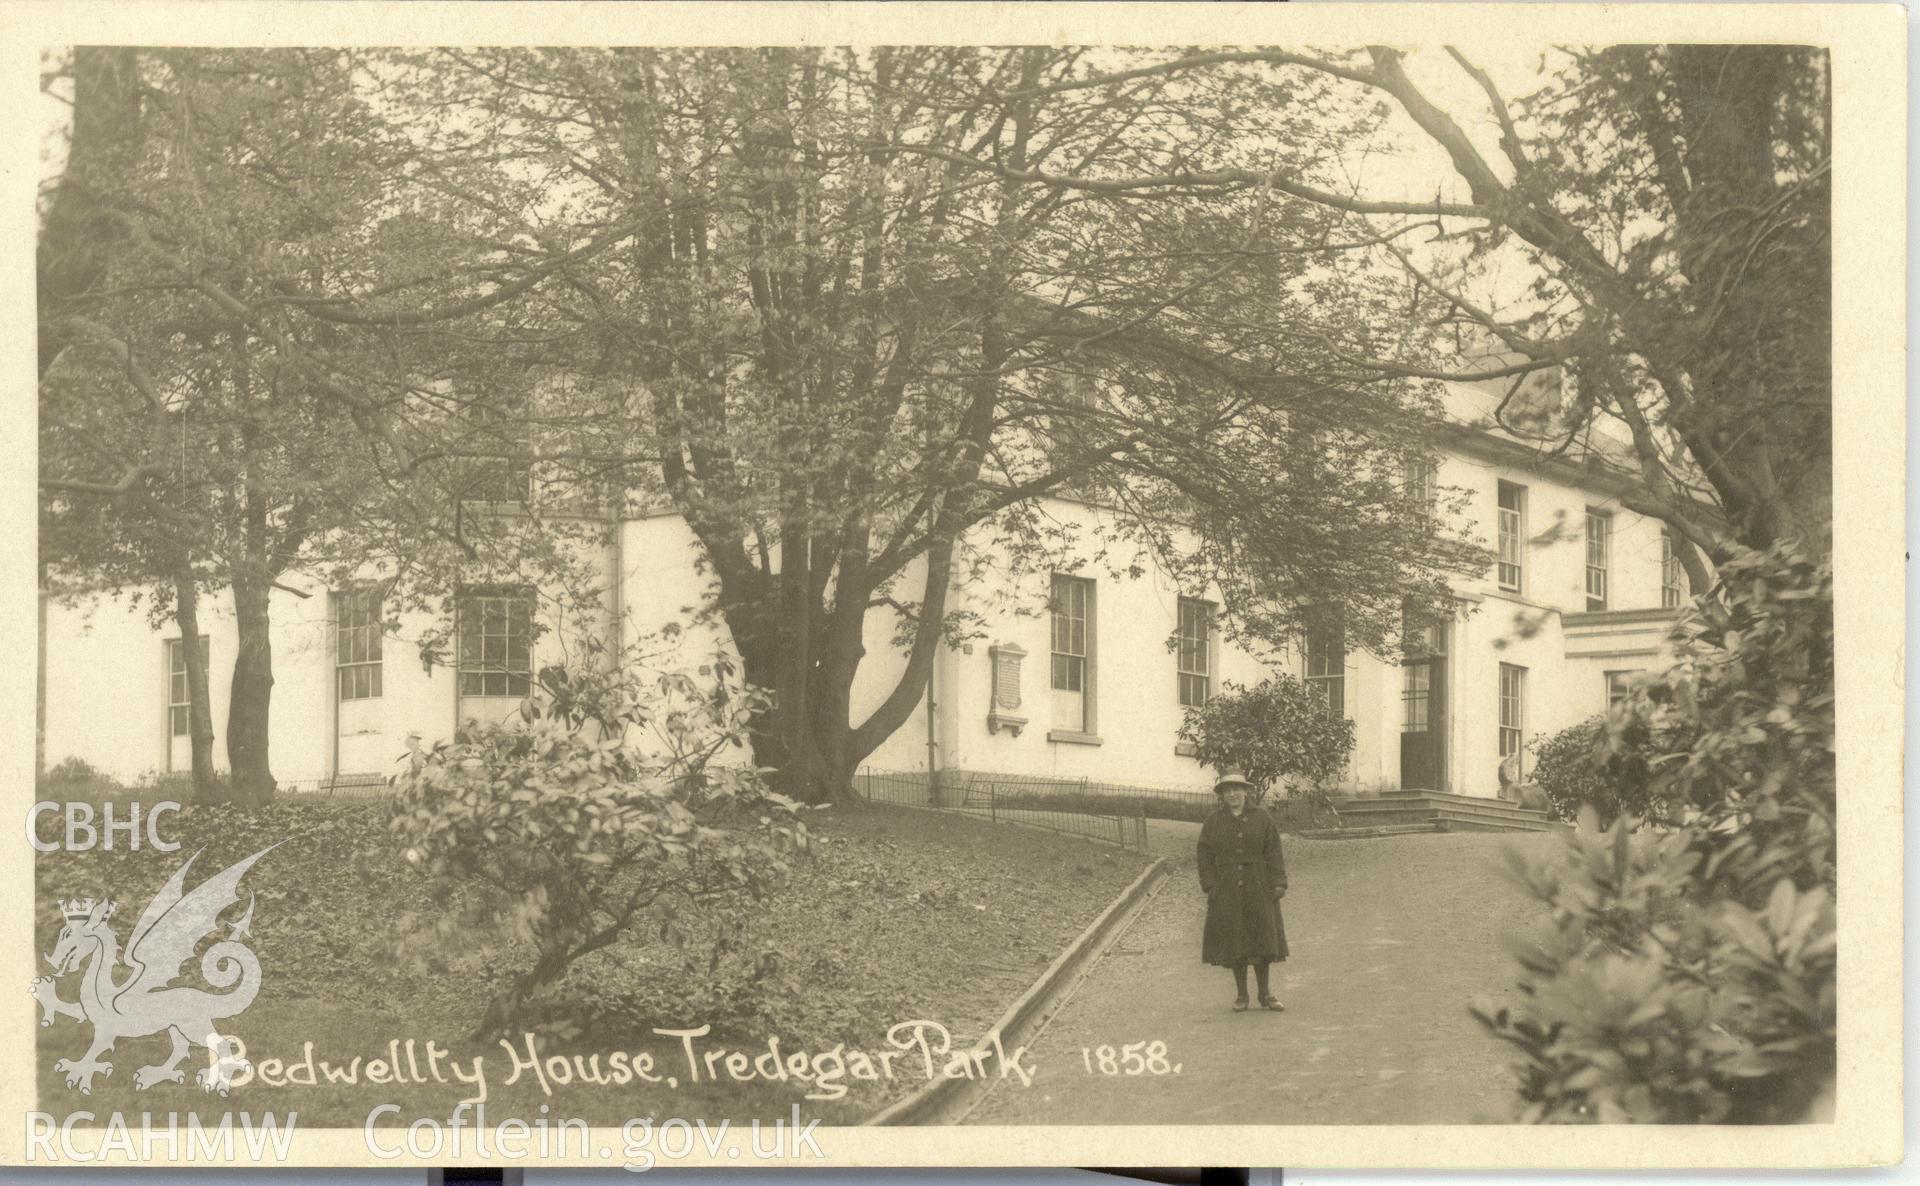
(1244, 877)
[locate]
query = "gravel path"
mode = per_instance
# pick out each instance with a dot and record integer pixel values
(1391, 938)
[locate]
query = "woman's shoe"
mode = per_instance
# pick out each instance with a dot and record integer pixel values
(1272, 1004)
(1239, 1004)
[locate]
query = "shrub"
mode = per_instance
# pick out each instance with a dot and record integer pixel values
(566, 829)
(1277, 730)
(1584, 765)
(77, 780)
(1689, 976)
(76, 770)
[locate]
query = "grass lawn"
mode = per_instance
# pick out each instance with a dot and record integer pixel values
(900, 915)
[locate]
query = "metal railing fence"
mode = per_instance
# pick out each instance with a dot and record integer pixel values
(1010, 800)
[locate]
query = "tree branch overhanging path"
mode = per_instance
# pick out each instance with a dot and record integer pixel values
(1707, 118)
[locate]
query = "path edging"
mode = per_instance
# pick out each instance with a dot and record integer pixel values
(946, 1101)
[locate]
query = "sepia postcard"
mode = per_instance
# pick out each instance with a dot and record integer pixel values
(825, 585)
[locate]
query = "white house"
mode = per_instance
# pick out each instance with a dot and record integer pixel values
(1081, 675)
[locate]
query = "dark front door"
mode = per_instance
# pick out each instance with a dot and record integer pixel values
(1423, 711)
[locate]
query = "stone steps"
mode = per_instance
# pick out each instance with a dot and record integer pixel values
(1441, 811)
(1366, 833)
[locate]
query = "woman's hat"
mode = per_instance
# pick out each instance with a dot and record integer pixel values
(1231, 777)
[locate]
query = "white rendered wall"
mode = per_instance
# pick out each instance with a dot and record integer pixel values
(106, 677)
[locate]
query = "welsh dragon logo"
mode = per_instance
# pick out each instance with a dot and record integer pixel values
(146, 1001)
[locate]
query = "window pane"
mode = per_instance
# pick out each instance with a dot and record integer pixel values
(1512, 707)
(469, 638)
(1195, 642)
(1673, 576)
(1511, 500)
(1194, 690)
(496, 643)
(1599, 526)
(357, 643)
(1069, 633)
(1416, 695)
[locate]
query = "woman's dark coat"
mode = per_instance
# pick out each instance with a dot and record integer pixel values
(1242, 872)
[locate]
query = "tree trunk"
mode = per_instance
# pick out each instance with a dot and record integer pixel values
(40, 687)
(1775, 485)
(505, 1011)
(795, 675)
(832, 695)
(801, 736)
(248, 711)
(186, 611)
(75, 240)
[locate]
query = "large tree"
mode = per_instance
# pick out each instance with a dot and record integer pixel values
(198, 431)
(850, 333)
(277, 333)
(849, 312)
(1667, 208)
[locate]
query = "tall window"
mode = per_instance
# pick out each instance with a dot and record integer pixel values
(501, 480)
(178, 699)
(1327, 665)
(1673, 575)
(1195, 652)
(1422, 644)
(1513, 705)
(1617, 682)
(1072, 607)
(496, 642)
(357, 643)
(501, 473)
(1070, 634)
(1512, 500)
(1416, 698)
(1599, 543)
(1421, 484)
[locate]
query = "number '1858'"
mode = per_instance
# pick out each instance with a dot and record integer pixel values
(1134, 1058)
